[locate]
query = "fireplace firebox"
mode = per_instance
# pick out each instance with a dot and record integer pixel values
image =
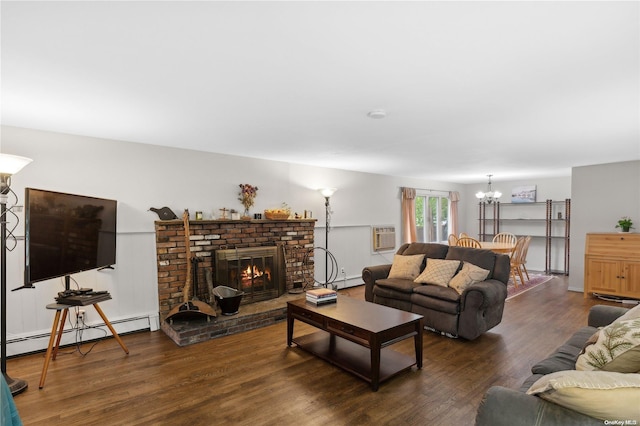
(257, 271)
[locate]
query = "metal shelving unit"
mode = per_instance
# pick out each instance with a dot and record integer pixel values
(557, 214)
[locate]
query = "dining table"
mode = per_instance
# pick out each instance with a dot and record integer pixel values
(504, 248)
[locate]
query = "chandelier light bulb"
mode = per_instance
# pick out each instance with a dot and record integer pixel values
(490, 196)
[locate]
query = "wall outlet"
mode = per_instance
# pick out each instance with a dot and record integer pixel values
(81, 316)
(342, 271)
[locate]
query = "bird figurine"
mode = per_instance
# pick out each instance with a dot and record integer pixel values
(165, 213)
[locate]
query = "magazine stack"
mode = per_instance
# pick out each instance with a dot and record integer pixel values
(322, 296)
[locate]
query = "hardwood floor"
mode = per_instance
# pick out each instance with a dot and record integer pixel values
(253, 378)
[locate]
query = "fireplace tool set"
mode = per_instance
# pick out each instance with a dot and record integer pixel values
(190, 308)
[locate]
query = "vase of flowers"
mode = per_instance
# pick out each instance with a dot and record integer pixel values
(247, 196)
(625, 224)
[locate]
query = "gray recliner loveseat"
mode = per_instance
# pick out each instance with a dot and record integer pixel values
(469, 314)
(509, 407)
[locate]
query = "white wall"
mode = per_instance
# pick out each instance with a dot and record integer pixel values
(602, 194)
(140, 176)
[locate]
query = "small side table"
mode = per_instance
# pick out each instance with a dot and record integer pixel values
(62, 311)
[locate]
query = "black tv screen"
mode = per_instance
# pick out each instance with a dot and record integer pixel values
(67, 233)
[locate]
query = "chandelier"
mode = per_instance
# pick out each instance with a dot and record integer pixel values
(490, 196)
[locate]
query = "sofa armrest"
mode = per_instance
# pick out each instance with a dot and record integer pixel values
(483, 294)
(369, 275)
(507, 407)
(603, 315)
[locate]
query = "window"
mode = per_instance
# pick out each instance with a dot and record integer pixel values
(432, 218)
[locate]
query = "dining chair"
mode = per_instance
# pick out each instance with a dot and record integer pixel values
(523, 256)
(516, 261)
(506, 238)
(453, 240)
(469, 242)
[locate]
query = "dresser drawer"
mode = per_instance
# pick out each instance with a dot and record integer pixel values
(618, 245)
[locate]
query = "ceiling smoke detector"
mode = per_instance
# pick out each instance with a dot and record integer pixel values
(377, 113)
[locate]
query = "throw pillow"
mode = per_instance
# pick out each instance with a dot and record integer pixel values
(632, 313)
(617, 348)
(406, 267)
(469, 274)
(438, 272)
(599, 394)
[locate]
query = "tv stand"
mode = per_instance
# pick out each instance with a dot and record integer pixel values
(62, 311)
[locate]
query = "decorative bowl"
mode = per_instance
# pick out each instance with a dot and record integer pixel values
(271, 215)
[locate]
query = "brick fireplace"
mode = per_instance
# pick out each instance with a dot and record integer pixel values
(209, 237)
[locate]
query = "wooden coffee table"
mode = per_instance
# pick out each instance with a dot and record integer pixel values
(354, 335)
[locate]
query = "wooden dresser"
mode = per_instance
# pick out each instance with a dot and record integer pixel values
(612, 264)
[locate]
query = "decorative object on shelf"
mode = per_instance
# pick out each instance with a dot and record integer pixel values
(164, 213)
(235, 215)
(247, 196)
(9, 165)
(282, 213)
(327, 193)
(523, 194)
(625, 223)
(490, 196)
(198, 215)
(224, 213)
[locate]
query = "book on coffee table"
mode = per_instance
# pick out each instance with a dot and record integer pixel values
(325, 301)
(321, 292)
(321, 296)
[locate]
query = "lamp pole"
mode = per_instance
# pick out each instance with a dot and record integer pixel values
(327, 193)
(9, 165)
(326, 242)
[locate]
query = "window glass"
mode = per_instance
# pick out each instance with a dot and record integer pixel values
(432, 219)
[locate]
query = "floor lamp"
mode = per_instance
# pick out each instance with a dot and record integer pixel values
(327, 193)
(9, 165)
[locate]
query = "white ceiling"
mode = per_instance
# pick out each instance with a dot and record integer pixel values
(517, 89)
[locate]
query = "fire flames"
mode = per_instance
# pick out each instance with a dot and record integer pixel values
(252, 275)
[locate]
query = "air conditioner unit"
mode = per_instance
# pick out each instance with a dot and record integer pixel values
(383, 238)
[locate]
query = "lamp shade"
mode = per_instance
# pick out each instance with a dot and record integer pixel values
(327, 192)
(12, 164)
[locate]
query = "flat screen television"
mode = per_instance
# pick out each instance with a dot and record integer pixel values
(66, 234)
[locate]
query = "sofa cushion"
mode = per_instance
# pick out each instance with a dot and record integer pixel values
(436, 298)
(406, 267)
(599, 394)
(564, 358)
(617, 348)
(468, 275)
(395, 284)
(438, 292)
(484, 259)
(581, 337)
(436, 304)
(432, 250)
(438, 272)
